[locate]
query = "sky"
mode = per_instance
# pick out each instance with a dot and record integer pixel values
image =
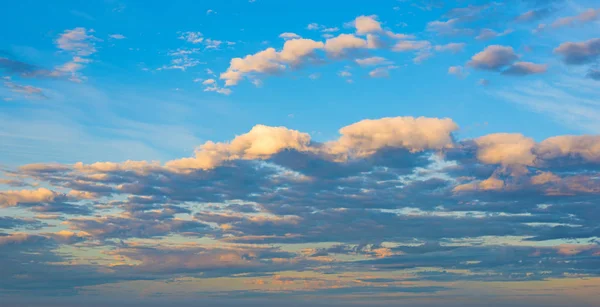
(300, 153)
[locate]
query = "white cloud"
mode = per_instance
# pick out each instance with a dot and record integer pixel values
(367, 24)
(340, 44)
(192, 37)
(117, 36)
(296, 50)
(371, 61)
(77, 41)
(269, 60)
(289, 35)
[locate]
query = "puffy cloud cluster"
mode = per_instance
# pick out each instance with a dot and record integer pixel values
(414, 134)
(357, 140)
(269, 60)
(296, 51)
(504, 59)
(580, 53)
(260, 142)
(41, 195)
(577, 53)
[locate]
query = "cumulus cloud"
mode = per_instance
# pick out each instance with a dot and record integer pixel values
(260, 143)
(415, 134)
(343, 43)
(41, 195)
(269, 61)
(577, 53)
(586, 147)
(297, 51)
(261, 62)
(493, 57)
(503, 59)
(367, 24)
(505, 149)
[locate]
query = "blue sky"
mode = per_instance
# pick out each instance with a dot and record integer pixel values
(246, 125)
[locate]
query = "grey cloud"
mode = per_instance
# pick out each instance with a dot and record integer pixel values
(577, 53)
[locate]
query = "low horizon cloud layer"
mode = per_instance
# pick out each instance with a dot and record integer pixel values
(394, 206)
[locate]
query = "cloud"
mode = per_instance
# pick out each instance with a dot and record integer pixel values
(593, 74)
(289, 35)
(80, 44)
(451, 47)
(448, 27)
(534, 15)
(415, 134)
(406, 45)
(313, 26)
(382, 72)
(192, 37)
(27, 90)
(78, 41)
(367, 24)
(260, 143)
(588, 15)
(371, 61)
(23, 69)
(296, 50)
(567, 101)
(577, 53)
(181, 60)
(269, 61)
(505, 149)
(584, 147)
(341, 44)
(117, 36)
(12, 223)
(493, 57)
(458, 71)
(41, 195)
(486, 34)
